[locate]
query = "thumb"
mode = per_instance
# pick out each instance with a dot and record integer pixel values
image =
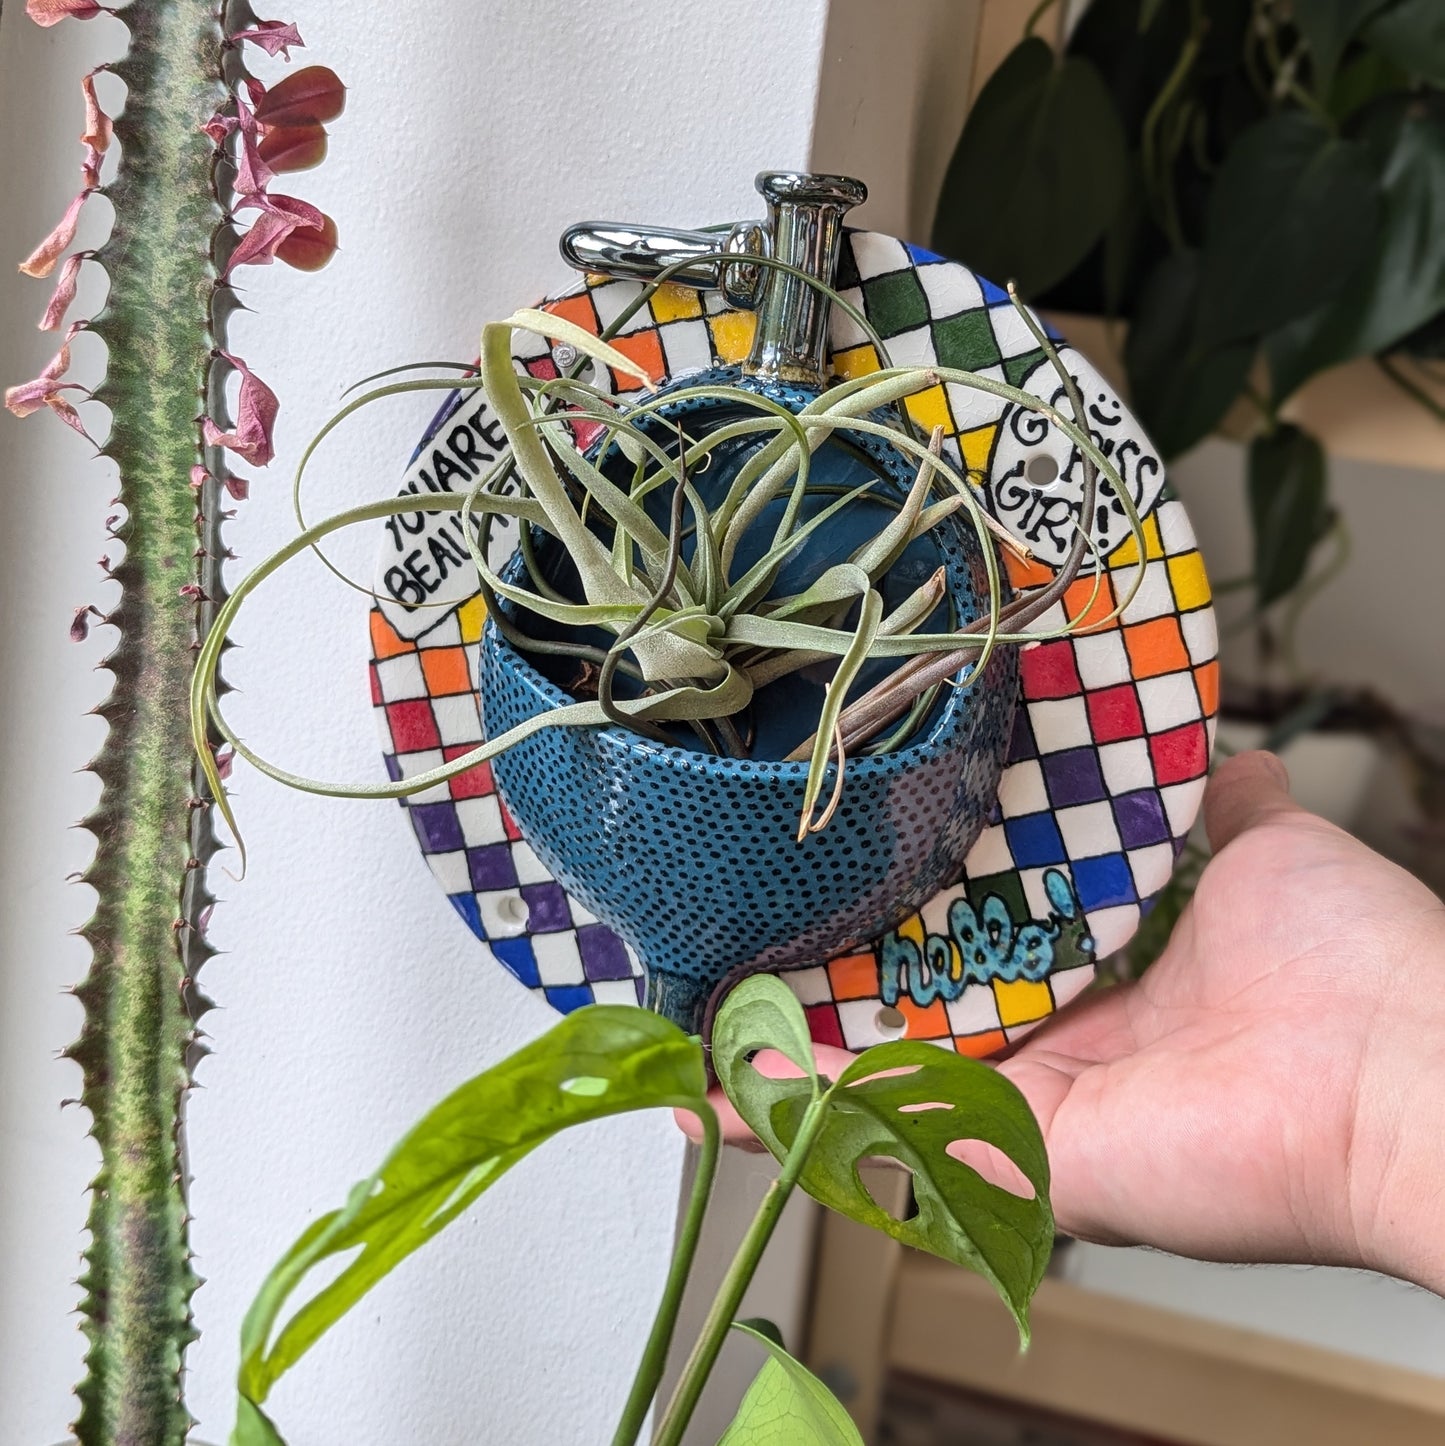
(1245, 791)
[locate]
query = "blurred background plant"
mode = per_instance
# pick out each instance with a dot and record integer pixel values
(1256, 190)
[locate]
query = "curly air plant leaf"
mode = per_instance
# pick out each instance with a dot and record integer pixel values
(703, 636)
(163, 327)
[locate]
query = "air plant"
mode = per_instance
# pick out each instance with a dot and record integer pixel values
(200, 142)
(699, 638)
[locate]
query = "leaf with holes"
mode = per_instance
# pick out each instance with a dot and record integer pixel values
(787, 1405)
(598, 1061)
(911, 1102)
(1286, 480)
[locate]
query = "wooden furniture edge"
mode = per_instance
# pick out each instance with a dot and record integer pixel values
(1150, 1370)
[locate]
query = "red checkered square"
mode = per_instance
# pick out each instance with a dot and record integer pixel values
(1050, 671)
(1180, 754)
(413, 728)
(1114, 714)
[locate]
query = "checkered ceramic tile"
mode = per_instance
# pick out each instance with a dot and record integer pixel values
(1110, 749)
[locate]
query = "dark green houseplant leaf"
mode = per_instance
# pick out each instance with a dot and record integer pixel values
(907, 1101)
(598, 1061)
(1293, 213)
(1412, 34)
(787, 1405)
(1328, 26)
(1401, 285)
(1286, 482)
(1038, 171)
(1179, 387)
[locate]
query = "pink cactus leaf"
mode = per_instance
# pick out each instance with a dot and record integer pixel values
(275, 37)
(220, 126)
(99, 128)
(46, 389)
(238, 487)
(280, 216)
(253, 175)
(52, 12)
(311, 96)
(41, 261)
(256, 411)
(80, 623)
(199, 477)
(64, 292)
(293, 148)
(306, 249)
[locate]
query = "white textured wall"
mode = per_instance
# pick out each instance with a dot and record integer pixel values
(352, 997)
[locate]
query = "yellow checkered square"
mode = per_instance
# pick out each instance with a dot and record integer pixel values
(1187, 578)
(1021, 1001)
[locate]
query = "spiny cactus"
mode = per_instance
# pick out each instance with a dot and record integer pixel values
(199, 141)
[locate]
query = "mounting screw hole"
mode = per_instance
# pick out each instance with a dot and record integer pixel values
(889, 1020)
(1041, 469)
(514, 910)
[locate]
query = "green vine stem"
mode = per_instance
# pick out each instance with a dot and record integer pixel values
(744, 1266)
(141, 1004)
(654, 1354)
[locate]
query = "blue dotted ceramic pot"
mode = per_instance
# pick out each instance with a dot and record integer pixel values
(693, 859)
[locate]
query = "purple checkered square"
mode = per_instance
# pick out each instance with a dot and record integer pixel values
(492, 867)
(1073, 776)
(437, 827)
(1022, 745)
(604, 956)
(547, 909)
(1141, 819)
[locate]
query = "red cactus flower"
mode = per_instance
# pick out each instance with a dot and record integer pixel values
(307, 249)
(280, 217)
(293, 148)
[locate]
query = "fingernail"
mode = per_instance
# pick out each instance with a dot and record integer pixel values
(1275, 765)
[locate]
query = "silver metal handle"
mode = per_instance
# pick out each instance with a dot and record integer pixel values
(803, 228)
(708, 260)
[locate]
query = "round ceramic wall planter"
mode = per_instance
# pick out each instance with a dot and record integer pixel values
(695, 859)
(1106, 759)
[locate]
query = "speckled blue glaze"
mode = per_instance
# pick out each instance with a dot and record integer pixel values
(693, 859)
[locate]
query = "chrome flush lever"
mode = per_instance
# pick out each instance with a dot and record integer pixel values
(803, 228)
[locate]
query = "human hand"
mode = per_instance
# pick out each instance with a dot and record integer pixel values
(1270, 1089)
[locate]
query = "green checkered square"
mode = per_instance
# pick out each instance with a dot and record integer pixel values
(1016, 368)
(895, 302)
(966, 341)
